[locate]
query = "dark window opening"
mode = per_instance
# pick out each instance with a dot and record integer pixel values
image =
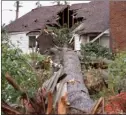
(32, 41)
(91, 37)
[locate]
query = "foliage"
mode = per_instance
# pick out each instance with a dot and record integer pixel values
(117, 71)
(103, 93)
(96, 50)
(61, 36)
(34, 57)
(92, 52)
(94, 80)
(17, 64)
(117, 77)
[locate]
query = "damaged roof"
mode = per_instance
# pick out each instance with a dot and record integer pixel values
(78, 6)
(36, 19)
(95, 14)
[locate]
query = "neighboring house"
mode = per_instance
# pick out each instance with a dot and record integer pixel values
(95, 26)
(118, 25)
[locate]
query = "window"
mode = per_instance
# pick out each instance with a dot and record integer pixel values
(92, 37)
(32, 41)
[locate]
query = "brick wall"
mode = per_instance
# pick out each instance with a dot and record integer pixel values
(118, 24)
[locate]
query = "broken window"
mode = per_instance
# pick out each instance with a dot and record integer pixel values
(32, 41)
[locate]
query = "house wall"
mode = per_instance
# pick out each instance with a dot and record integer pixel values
(118, 24)
(84, 39)
(77, 42)
(19, 39)
(104, 40)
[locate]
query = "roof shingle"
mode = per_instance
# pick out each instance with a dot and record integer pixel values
(36, 19)
(96, 15)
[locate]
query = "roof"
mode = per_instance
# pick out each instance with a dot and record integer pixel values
(96, 17)
(94, 13)
(78, 6)
(36, 19)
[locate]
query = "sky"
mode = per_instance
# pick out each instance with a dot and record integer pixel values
(8, 8)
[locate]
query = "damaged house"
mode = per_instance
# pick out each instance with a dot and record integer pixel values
(30, 29)
(24, 31)
(118, 25)
(95, 25)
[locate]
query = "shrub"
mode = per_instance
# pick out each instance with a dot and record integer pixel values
(62, 35)
(17, 65)
(117, 72)
(93, 52)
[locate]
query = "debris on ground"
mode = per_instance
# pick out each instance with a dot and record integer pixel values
(116, 104)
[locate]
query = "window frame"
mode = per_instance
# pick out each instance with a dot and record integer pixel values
(31, 41)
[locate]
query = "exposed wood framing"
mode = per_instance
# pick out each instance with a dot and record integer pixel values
(57, 18)
(71, 39)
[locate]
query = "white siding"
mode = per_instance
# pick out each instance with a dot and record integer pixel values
(84, 39)
(19, 39)
(77, 42)
(104, 41)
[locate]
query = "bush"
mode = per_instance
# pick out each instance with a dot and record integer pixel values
(93, 52)
(62, 35)
(17, 65)
(117, 72)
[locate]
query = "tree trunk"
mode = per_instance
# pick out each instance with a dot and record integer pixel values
(78, 95)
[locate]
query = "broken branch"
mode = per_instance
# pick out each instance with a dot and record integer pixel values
(12, 82)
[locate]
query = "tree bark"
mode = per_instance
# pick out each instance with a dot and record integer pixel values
(78, 95)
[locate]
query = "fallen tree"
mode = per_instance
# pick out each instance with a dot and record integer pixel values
(71, 88)
(63, 93)
(78, 95)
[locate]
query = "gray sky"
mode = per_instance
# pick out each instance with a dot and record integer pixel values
(7, 15)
